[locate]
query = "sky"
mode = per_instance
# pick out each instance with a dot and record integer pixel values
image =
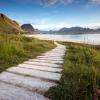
(53, 14)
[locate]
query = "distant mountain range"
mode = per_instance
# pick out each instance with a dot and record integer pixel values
(73, 30)
(8, 25)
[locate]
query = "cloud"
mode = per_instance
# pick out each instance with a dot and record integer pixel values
(92, 3)
(53, 2)
(95, 1)
(93, 25)
(48, 26)
(39, 2)
(44, 2)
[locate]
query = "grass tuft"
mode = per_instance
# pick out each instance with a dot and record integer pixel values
(81, 74)
(15, 49)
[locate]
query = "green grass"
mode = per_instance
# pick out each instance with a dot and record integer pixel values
(81, 74)
(15, 49)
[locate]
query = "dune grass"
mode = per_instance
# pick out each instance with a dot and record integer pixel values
(81, 74)
(9, 26)
(15, 49)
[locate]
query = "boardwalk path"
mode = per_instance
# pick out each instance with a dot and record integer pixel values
(31, 79)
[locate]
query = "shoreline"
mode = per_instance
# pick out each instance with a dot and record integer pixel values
(39, 36)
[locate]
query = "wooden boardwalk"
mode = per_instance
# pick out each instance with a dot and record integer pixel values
(31, 79)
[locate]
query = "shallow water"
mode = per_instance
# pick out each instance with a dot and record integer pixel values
(84, 38)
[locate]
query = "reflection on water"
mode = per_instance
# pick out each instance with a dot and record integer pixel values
(87, 38)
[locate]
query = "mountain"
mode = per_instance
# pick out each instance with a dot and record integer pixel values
(73, 30)
(28, 28)
(9, 26)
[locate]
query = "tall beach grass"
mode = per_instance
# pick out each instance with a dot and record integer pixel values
(81, 75)
(15, 49)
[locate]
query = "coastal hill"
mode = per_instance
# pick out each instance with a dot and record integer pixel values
(28, 28)
(8, 25)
